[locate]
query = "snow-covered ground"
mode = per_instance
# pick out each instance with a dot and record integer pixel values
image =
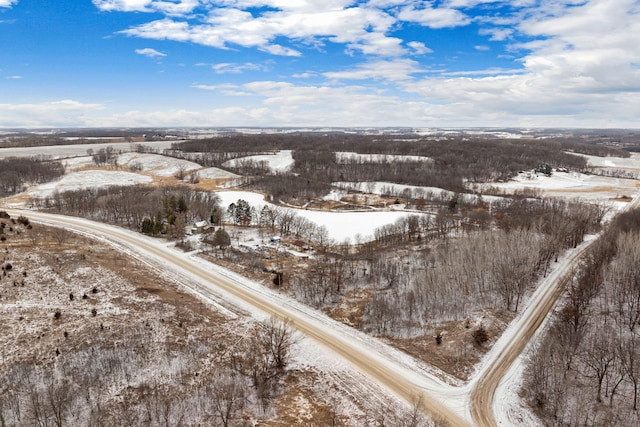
(280, 161)
(569, 184)
(340, 225)
(216, 173)
(390, 188)
(88, 179)
(576, 185)
(347, 156)
(628, 163)
(156, 163)
(61, 151)
(74, 163)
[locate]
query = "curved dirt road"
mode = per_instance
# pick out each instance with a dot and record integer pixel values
(395, 377)
(487, 381)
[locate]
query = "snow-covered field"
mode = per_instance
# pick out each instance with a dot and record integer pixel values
(216, 173)
(569, 184)
(74, 163)
(390, 188)
(340, 225)
(61, 151)
(88, 179)
(630, 163)
(280, 161)
(347, 156)
(156, 163)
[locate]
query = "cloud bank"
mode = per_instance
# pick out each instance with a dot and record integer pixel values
(563, 62)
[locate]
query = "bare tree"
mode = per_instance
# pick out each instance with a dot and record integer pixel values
(599, 358)
(228, 396)
(630, 358)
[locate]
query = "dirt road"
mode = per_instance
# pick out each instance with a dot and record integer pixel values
(396, 377)
(542, 302)
(392, 375)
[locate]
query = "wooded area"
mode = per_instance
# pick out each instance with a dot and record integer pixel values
(586, 370)
(316, 167)
(16, 172)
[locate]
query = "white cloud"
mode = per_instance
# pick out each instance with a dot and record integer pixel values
(151, 53)
(177, 7)
(237, 68)
(56, 113)
(497, 34)
(592, 47)
(359, 28)
(486, 72)
(305, 75)
(465, 4)
(580, 69)
(14, 77)
(419, 48)
(226, 89)
(394, 70)
(7, 3)
(434, 17)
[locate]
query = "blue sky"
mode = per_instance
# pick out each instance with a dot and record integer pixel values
(461, 63)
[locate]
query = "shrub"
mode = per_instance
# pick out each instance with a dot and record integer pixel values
(480, 335)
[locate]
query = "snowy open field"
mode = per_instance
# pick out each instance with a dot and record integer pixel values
(157, 164)
(62, 151)
(280, 161)
(569, 184)
(216, 173)
(340, 225)
(576, 185)
(630, 163)
(88, 179)
(390, 188)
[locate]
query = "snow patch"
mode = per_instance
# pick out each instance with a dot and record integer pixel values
(280, 161)
(216, 173)
(87, 180)
(156, 163)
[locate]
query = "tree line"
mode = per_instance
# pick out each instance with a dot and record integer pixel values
(586, 369)
(149, 209)
(16, 172)
(316, 167)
